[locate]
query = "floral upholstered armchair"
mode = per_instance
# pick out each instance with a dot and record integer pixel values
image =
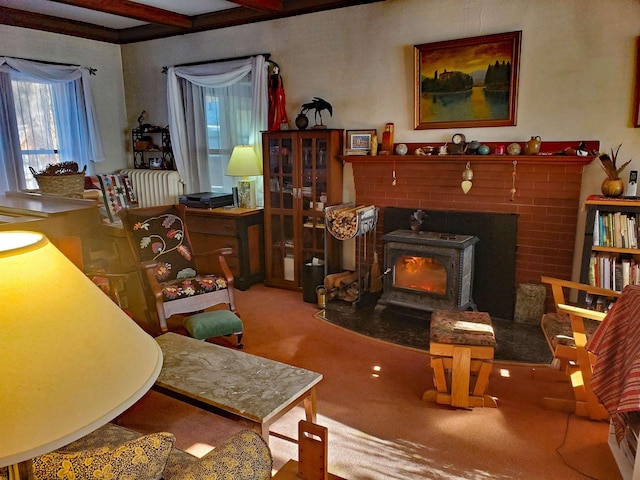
(117, 452)
(174, 273)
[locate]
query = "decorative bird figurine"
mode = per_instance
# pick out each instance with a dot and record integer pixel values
(318, 104)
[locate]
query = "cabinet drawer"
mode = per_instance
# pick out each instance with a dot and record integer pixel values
(203, 242)
(211, 225)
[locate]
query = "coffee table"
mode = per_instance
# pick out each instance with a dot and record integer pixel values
(223, 380)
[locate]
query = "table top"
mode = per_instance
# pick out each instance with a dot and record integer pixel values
(247, 385)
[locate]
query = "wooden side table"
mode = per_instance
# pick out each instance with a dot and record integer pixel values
(241, 229)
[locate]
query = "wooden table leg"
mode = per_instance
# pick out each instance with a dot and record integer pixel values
(310, 406)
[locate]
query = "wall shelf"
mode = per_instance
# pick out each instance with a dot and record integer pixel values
(496, 159)
(548, 155)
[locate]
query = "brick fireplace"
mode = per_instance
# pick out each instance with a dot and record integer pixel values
(546, 199)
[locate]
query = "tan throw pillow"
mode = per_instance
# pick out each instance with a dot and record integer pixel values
(140, 459)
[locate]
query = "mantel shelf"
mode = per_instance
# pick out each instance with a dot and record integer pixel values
(498, 159)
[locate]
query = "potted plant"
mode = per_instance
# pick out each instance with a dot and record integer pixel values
(613, 185)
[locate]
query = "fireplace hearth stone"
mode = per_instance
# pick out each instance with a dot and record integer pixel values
(428, 271)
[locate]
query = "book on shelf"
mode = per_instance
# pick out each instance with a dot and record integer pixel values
(616, 229)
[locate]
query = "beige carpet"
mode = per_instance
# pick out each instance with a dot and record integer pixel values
(379, 427)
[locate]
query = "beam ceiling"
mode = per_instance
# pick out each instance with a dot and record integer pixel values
(163, 23)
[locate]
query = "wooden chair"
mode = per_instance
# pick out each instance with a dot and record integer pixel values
(556, 326)
(180, 281)
(567, 331)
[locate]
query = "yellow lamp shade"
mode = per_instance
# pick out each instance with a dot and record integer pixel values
(72, 360)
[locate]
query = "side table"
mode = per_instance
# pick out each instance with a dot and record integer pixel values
(241, 229)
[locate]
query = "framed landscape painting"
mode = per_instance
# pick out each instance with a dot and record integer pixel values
(471, 82)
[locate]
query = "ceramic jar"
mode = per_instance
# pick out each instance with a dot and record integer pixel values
(532, 147)
(612, 187)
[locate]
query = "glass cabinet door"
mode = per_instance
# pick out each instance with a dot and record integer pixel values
(314, 197)
(282, 191)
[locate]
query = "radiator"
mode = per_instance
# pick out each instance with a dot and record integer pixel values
(155, 187)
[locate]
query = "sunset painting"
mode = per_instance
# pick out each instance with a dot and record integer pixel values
(466, 83)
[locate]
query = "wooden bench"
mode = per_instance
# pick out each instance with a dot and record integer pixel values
(462, 347)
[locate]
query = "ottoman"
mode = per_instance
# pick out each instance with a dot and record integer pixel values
(214, 323)
(461, 347)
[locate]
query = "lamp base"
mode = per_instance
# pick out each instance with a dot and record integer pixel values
(247, 193)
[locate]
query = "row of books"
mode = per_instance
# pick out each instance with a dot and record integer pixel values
(606, 270)
(616, 229)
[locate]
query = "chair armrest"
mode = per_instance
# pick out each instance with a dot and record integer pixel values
(218, 258)
(582, 312)
(558, 287)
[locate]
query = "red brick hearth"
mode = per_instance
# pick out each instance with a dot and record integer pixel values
(546, 198)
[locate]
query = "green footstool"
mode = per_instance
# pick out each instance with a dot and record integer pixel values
(216, 323)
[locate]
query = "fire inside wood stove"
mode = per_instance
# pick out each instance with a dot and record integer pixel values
(428, 271)
(420, 273)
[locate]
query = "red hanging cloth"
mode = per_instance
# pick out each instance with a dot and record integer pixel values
(277, 103)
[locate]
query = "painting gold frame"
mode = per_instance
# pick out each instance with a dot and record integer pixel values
(636, 91)
(470, 82)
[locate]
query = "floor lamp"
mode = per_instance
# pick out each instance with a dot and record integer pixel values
(244, 163)
(71, 359)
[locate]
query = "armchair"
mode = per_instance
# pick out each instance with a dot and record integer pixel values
(173, 272)
(568, 331)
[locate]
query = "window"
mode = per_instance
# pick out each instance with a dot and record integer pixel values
(219, 120)
(46, 116)
(214, 107)
(36, 126)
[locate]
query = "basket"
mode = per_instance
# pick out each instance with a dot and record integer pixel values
(72, 184)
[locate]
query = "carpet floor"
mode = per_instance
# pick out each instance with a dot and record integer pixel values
(516, 342)
(370, 399)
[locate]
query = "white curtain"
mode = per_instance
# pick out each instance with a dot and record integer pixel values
(79, 136)
(187, 90)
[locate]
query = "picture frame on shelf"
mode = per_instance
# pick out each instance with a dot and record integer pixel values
(452, 76)
(636, 89)
(358, 142)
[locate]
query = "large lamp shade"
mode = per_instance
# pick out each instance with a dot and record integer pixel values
(72, 360)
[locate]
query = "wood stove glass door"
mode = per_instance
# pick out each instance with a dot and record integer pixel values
(425, 274)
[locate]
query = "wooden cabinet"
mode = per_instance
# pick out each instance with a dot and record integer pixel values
(241, 229)
(611, 250)
(302, 175)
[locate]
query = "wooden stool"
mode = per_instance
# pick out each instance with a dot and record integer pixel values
(462, 344)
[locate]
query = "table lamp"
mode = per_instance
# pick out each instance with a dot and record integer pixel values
(244, 163)
(72, 360)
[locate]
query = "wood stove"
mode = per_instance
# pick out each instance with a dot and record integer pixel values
(428, 271)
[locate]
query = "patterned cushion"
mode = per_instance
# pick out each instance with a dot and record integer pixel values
(189, 287)
(462, 328)
(557, 328)
(245, 455)
(161, 239)
(142, 458)
(118, 194)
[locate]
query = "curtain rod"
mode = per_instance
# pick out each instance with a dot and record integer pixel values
(265, 55)
(92, 71)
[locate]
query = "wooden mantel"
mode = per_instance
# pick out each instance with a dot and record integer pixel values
(546, 199)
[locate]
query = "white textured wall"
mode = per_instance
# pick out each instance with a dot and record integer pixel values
(107, 85)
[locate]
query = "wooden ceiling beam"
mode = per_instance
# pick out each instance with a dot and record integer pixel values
(261, 5)
(126, 8)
